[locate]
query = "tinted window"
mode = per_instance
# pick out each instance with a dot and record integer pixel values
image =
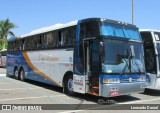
(62, 37)
(157, 36)
(48, 40)
(71, 35)
(89, 29)
(17, 45)
(28, 44)
(10, 46)
(67, 36)
(150, 61)
(146, 37)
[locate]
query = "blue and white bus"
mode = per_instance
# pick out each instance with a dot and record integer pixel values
(96, 56)
(151, 40)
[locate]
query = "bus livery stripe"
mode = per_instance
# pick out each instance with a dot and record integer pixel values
(36, 70)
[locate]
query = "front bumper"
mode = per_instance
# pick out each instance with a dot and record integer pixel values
(110, 90)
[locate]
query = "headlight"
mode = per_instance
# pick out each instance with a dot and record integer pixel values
(142, 79)
(158, 75)
(111, 80)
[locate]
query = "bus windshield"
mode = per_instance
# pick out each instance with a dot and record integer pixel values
(158, 49)
(109, 29)
(117, 58)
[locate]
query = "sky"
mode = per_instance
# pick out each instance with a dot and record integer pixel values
(29, 15)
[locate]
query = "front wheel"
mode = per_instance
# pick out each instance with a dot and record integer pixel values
(69, 85)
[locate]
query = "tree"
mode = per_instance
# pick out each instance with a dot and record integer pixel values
(5, 27)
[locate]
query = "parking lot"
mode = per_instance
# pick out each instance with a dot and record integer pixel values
(16, 92)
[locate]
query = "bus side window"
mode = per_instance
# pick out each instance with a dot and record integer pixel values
(62, 38)
(92, 29)
(150, 59)
(49, 40)
(22, 45)
(32, 41)
(39, 42)
(13, 46)
(70, 36)
(55, 38)
(10, 46)
(83, 31)
(89, 29)
(44, 43)
(17, 44)
(27, 44)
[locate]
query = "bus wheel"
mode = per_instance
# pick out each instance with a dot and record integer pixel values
(69, 86)
(22, 75)
(16, 74)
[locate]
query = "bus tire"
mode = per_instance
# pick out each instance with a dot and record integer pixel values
(69, 85)
(22, 75)
(16, 75)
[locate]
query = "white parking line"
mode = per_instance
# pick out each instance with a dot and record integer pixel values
(16, 89)
(29, 98)
(111, 105)
(5, 83)
(139, 101)
(2, 75)
(23, 98)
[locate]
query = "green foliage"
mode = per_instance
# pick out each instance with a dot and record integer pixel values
(1, 45)
(5, 27)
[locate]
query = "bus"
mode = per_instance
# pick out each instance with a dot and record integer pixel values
(96, 56)
(151, 40)
(3, 58)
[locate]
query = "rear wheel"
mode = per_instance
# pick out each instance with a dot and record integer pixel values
(22, 74)
(16, 76)
(69, 86)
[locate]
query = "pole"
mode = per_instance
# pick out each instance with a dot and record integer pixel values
(132, 11)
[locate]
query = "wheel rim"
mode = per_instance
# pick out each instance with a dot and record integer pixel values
(21, 75)
(70, 85)
(16, 73)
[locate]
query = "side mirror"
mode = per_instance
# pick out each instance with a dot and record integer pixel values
(100, 48)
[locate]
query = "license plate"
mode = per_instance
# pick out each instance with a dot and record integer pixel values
(143, 86)
(114, 93)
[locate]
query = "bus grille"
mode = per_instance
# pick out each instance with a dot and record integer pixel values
(129, 80)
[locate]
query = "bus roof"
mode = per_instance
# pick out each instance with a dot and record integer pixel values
(149, 30)
(50, 28)
(73, 23)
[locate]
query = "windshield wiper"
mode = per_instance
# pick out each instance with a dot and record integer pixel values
(139, 70)
(127, 63)
(133, 57)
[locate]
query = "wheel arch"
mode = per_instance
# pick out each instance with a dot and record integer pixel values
(15, 67)
(21, 67)
(67, 74)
